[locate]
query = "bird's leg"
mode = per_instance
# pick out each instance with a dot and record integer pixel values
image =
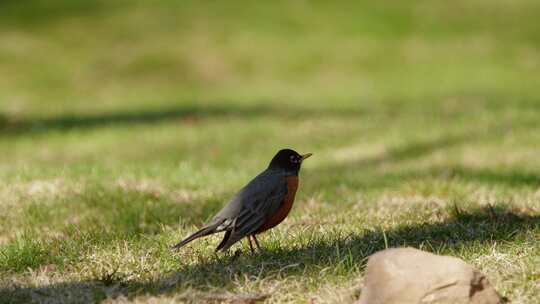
(256, 242)
(250, 245)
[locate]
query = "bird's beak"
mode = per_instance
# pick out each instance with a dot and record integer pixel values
(307, 155)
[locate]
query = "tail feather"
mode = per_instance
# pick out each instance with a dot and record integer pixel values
(227, 243)
(225, 239)
(203, 232)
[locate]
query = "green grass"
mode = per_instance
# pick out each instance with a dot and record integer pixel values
(124, 126)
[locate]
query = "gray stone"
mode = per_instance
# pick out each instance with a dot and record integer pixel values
(408, 275)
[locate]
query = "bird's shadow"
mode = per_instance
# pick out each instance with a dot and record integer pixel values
(343, 255)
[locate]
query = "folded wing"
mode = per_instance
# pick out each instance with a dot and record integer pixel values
(258, 201)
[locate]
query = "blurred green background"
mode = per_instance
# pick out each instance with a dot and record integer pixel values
(137, 119)
(71, 57)
(69, 67)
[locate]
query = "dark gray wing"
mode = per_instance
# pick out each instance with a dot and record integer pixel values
(251, 206)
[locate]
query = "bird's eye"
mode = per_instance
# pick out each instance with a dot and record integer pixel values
(293, 159)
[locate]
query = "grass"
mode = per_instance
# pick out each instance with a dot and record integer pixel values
(124, 126)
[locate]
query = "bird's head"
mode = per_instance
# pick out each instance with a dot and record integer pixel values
(288, 160)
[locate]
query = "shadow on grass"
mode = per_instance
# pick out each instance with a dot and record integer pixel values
(340, 256)
(191, 113)
(374, 180)
(186, 113)
(490, 176)
(363, 173)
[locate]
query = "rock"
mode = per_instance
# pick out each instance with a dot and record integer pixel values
(408, 275)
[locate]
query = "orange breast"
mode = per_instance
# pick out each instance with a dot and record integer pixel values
(286, 205)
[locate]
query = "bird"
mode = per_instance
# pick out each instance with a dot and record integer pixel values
(259, 206)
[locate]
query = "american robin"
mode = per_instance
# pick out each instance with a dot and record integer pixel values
(260, 205)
